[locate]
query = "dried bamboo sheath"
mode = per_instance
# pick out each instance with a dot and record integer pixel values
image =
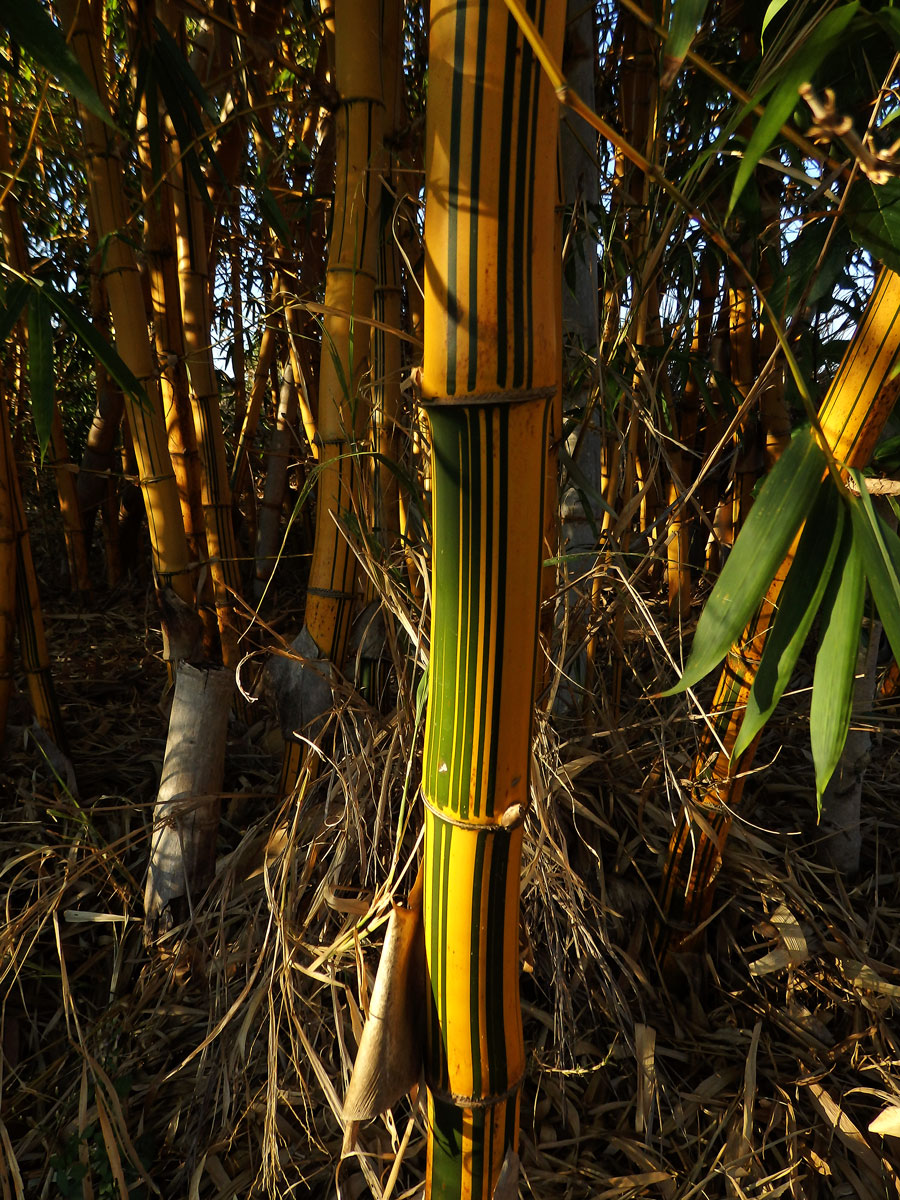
(491, 366)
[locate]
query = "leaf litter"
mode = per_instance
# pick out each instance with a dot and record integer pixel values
(766, 1064)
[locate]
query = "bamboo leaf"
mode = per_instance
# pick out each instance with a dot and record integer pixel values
(799, 70)
(783, 503)
(173, 58)
(40, 367)
(14, 302)
(30, 27)
(873, 216)
(798, 605)
(879, 548)
(271, 210)
(772, 12)
(97, 343)
(832, 698)
(687, 17)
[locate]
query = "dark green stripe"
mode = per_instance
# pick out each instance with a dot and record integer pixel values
(503, 175)
(456, 94)
(484, 699)
(470, 626)
(474, 207)
(446, 1151)
(501, 552)
(521, 232)
(445, 849)
(494, 996)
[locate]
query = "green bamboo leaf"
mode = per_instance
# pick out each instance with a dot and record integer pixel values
(30, 27)
(879, 548)
(771, 13)
(40, 367)
(782, 505)
(873, 217)
(174, 60)
(13, 302)
(799, 70)
(798, 605)
(97, 343)
(832, 698)
(271, 210)
(687, 17)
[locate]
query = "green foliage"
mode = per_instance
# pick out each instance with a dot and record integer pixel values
(800, 69)
(873, 217)
(29, 27)
(773, 522)
(687, 17)
(40, 367)
(832, 697)
(797, 607)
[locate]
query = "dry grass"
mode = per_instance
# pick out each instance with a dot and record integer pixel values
(216, 1067)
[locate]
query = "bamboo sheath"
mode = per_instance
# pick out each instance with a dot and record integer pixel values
(349, 292)
(123, 284)
(491, 367)
(859, 401)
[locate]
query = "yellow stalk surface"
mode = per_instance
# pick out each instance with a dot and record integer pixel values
(491, 368)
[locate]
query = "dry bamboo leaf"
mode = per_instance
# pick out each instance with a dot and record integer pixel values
(112, 1150)
(10, 1164)
(644, 1050)
(750, 1093)
(621, 1185)
(793, 950)
(861, 975)
(887, 1123)
(845, 1129)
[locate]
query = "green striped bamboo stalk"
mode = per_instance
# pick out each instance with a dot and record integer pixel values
(123, 284)
(491, 367)
(349, 290)
(852, 416)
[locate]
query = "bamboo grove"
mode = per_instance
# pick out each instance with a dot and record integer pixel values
(402, 357)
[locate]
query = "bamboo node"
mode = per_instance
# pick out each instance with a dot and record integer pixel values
(480, 399)
(510, 819)
(488, 1101)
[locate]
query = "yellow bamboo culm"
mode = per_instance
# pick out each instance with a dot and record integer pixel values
(349, 292)
(490, 371)
(852, 417)
(123, 284)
